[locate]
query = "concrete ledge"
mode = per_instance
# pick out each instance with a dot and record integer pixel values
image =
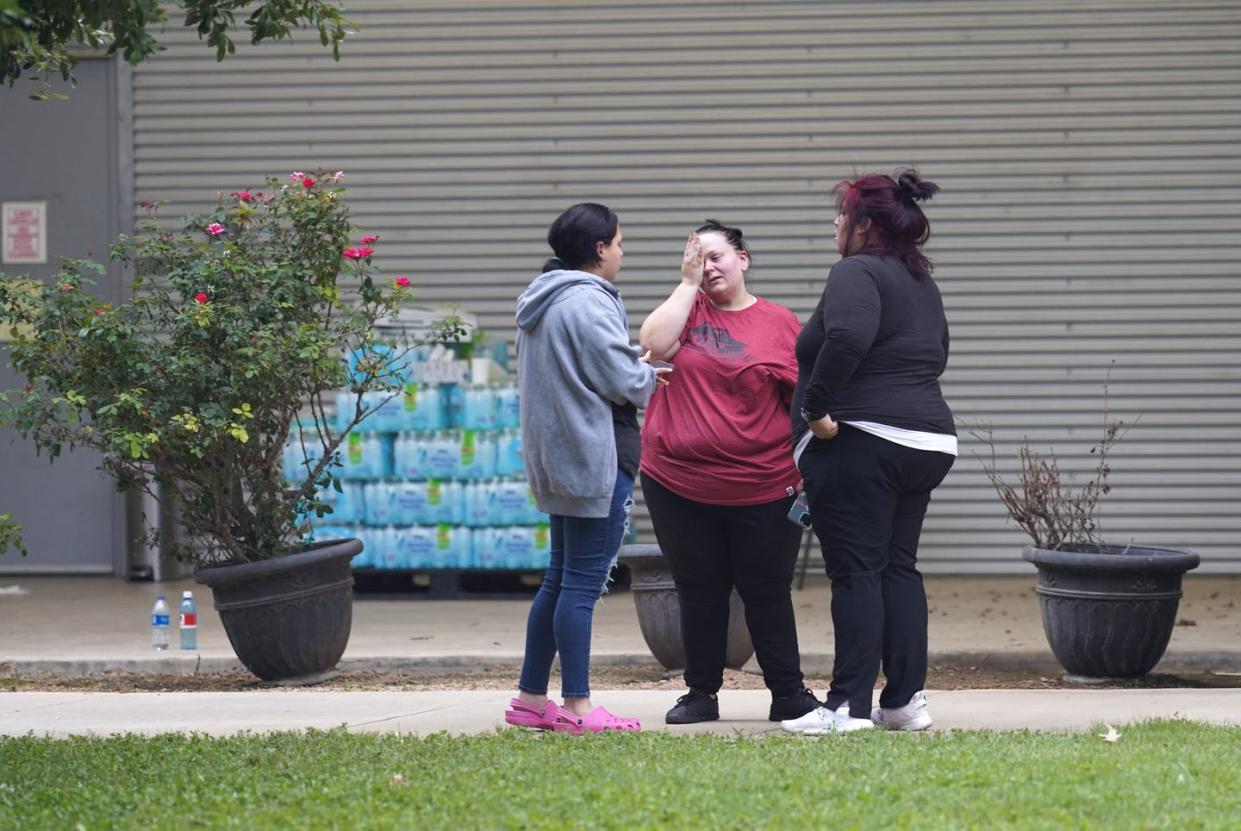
(151, 666)
(1041, 663)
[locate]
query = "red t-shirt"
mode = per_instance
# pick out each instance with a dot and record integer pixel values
(720, 433)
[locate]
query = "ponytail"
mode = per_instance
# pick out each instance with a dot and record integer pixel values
(914, 188)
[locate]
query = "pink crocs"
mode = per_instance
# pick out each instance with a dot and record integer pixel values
(524, 714)
(597, 720)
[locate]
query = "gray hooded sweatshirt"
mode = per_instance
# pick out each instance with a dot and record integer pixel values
(574, 359)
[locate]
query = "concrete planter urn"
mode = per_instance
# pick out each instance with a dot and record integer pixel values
(1109, 612)
(659, 610)
(288, 618)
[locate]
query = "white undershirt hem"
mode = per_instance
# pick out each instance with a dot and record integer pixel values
(916, 439)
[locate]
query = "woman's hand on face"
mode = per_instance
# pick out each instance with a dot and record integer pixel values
(692, 262)
(824, 428)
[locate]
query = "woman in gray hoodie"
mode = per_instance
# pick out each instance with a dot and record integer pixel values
(581, 383)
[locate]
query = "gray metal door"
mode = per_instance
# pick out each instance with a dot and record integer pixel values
(64, 154)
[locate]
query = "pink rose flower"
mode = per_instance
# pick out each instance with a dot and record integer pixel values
(369, 238)
(308, 182)
(215, 229)
(338, 175)
(358, 253)
(243, 195)
(200, 298)
(297, 176)
(402, 282)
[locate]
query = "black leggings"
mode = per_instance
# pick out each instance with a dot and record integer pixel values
(868, 497)
(711, 548)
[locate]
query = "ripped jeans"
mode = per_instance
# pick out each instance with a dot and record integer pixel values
(583, 551)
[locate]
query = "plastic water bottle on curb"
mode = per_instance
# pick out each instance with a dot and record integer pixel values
(159, 624)
(189, 621)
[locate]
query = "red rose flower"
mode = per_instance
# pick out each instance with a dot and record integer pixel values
(200, 298)
(358, 253)
(308, 182)
(402, 282)
(369, 238)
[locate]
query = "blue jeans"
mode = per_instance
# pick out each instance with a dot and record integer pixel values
(583, 550)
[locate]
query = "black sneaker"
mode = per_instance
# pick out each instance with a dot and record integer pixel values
(793, 706)
(694, 707)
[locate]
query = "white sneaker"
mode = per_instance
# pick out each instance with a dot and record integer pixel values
(822, 721)
(913, 716)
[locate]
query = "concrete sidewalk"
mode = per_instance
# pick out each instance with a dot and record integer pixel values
(78, 625)
(462, 712)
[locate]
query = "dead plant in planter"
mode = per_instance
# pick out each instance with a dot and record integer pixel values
(1107, 609)
(1053, 513)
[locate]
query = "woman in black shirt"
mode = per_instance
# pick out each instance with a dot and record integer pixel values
(873, 437)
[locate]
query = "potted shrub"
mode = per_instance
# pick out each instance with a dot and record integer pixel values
(1108, 607)
(235, 324)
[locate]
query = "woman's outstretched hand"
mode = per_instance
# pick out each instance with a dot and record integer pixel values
(663, 370)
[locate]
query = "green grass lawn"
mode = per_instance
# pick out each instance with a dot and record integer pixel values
(1164, 774)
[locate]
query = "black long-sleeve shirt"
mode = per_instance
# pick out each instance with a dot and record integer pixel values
(874, 350)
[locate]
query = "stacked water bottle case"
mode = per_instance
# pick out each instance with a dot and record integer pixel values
(434, 479)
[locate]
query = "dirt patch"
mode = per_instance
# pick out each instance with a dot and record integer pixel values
(602, 678)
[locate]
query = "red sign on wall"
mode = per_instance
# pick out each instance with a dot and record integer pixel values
(25, 232)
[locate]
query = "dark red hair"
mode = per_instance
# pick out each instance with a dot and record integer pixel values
(898, 225)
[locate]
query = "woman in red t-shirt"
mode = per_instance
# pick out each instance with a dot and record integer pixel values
(716, 468)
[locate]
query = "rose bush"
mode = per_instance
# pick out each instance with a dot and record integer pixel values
(235, 324)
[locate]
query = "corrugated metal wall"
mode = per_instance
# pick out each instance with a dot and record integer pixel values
(1088, 152)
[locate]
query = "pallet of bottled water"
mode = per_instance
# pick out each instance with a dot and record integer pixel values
(432, 478)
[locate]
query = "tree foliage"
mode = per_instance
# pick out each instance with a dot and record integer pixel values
(236, 329)
(37, 37)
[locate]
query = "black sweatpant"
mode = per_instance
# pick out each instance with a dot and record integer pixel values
(710, 549)
(868, 497)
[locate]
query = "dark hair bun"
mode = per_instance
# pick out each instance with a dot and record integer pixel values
(731, 233)
(916, 188)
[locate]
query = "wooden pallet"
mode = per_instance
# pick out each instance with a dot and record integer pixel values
(456, 583)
